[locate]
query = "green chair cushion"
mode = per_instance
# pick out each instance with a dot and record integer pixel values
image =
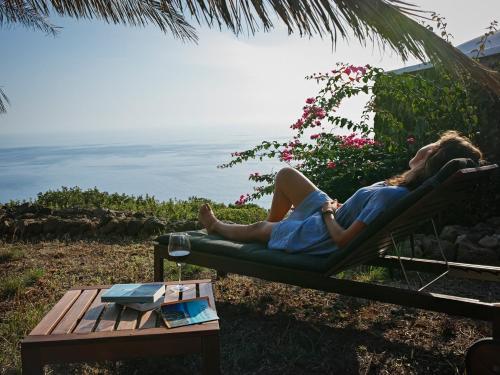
(255, 252)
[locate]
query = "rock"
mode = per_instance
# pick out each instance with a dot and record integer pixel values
(483, 228)
(472, 253)
(494, 221)
(430, 248)
(139, 215)
(51, 224)
(184, 225)
(490, 242)
(134, 226)
(153, 225)
(43, 211)
(102, 212)
(475, 236)
(7, 226)
(25, 208)
(110, 227)
(28, 215)
(450, 232)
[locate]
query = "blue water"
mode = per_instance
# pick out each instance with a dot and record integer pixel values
(178, 170)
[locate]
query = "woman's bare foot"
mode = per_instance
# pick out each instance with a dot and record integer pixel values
(207, 218)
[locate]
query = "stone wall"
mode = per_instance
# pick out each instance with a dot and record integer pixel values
(479, 243)
(32, 222)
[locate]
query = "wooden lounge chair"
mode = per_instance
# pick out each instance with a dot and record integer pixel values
(455, 182)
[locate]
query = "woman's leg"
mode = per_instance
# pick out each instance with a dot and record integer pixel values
(290, 188)
(260, 231)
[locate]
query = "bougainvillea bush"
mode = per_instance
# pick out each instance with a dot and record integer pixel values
(341, 164)
(338, 164)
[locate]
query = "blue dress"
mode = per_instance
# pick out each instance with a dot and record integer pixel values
(304, 230)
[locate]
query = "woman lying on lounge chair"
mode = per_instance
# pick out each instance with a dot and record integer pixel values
(320, 225)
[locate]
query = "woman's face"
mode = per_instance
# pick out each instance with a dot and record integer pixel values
(422, 155)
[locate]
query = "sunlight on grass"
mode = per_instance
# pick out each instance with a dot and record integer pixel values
(13, 285)
(10, 254)
(15, 325)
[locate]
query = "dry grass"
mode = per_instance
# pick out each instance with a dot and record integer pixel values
(266, 328)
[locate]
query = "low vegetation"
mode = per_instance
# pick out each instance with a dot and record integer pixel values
(172, 209)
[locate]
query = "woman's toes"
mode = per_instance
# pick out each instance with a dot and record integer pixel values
(207, 218)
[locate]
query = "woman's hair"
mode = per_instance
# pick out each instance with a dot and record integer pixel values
(451, 145)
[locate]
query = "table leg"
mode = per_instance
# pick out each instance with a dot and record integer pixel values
(31, 362)
(158, 265)
(211, 355)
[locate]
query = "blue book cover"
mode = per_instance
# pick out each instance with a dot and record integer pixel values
(186, 312)
(132, 293)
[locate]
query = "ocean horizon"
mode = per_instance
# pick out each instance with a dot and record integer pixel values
(178, 170)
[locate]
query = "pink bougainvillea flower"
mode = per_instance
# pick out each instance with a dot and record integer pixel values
(347, 70)
(315, 136)
(331, 165)
(286, 155)
(243, 199)
(256, 174)
(410, 140)
(320, 113)
(310, 100)
(235, 153)
(298, 124)
(317, 123)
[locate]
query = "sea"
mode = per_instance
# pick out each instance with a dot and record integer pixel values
(171, 170)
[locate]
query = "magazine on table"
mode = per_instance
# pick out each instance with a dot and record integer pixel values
(134, 293)
(187, 312)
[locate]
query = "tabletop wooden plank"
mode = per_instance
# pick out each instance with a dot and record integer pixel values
(90, 318)
(109, 317)
(190, 293)
(128, 319)
(171, 295)
(56, 313)
(206, 290)
(148, 320)
(68, 322)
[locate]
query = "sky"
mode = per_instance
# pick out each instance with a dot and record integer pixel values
(97, 83)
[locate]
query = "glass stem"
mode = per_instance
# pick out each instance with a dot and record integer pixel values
(180, 267)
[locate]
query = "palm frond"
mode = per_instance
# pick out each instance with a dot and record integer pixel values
(160, 13)
(23, 13)
(3, 100)
(388, 21)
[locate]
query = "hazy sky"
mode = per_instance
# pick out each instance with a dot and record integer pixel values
(96, 81)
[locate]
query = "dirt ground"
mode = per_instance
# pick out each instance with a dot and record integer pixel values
(266, 328)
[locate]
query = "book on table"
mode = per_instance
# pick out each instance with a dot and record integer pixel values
(186, 312)
(134, 293)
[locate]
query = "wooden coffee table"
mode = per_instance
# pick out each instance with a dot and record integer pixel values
(82, 328)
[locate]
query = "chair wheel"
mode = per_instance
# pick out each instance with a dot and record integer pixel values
(483, 357)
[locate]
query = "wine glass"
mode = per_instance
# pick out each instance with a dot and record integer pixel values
(179, 247)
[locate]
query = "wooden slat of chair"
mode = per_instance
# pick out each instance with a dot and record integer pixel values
(91, 317)
(128, 319)
(109, 317)
(54, 316)
(70, 319)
